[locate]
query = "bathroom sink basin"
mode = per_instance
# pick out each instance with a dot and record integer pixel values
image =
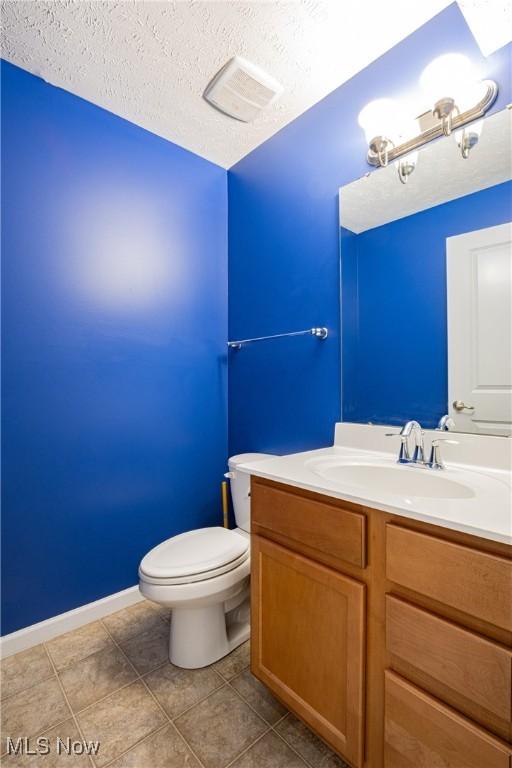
(396, 479)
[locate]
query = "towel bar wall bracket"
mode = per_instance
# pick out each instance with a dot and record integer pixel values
(320, 333)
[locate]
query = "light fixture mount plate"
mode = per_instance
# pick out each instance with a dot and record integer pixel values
(444, 108)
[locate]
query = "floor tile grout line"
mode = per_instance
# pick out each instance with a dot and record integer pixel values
(172, 718)
(159, 705)
(306, 762)
(304, 759)
(137, 678)
(32, 685)
(268, 728)
(242, 753)
(99, 620)
(76, 661)
(53, 725)
(171, 721)
(226, 683)
(60, 671)
(57, 670)
(240, 696)
(281, 718)
(45, 730)
(174, 726)
(198, 701)
(149, 603)
(136, 744)
(271, 726)
(107, 695)
(140, 677)
(77, 724)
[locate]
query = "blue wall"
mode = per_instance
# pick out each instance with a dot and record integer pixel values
(114, 328)
(394, 342)
(284, 253)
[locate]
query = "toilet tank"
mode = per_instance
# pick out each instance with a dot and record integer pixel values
(241, 486)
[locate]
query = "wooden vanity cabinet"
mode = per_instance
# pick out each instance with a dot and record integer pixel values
(390, 638)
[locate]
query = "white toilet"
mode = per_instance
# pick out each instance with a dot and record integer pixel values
(203, 575)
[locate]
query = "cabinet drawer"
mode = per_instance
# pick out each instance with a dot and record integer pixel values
(422, 733)
(475, 582)
(470, 673)
(318, 525)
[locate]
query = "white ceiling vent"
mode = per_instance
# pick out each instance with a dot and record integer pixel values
(241, 90)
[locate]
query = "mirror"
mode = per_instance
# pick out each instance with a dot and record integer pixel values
(426, 288)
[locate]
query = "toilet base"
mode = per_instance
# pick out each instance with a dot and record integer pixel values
(201, 635)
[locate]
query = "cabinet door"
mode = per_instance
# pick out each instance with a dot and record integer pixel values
(308, 642)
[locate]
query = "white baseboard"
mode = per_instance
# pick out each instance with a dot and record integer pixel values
(64, 622)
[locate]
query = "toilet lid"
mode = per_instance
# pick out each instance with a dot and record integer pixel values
(194, 553)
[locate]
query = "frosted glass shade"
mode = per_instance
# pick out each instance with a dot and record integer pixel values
(449, 76)
(378, 118)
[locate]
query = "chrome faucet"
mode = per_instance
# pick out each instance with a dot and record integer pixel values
(446, 423)
(414, 428)
(418, 457)
(404, 456)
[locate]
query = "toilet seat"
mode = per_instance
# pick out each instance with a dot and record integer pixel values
(194, 556)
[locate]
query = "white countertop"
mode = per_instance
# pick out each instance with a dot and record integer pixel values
(485, 510)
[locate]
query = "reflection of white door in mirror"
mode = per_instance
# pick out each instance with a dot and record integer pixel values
(479, 298)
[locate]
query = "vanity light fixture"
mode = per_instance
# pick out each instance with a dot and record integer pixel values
(456, 97)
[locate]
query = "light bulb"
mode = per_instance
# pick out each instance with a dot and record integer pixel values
(379, 118)
(448, 76)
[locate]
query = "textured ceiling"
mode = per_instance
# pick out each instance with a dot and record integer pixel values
(441, 174)
(149, 61)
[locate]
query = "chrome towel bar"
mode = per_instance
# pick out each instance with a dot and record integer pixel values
(320, 333)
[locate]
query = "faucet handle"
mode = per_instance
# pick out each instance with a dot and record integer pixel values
(418, 456)
(403, 456)
(435, 461)
(438, 440)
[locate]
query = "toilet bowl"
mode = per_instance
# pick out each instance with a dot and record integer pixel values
(203, 575)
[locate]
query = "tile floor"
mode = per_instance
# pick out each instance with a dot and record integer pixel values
(111, 681)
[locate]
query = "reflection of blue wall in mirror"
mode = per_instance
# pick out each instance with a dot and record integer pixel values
(394, 358)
